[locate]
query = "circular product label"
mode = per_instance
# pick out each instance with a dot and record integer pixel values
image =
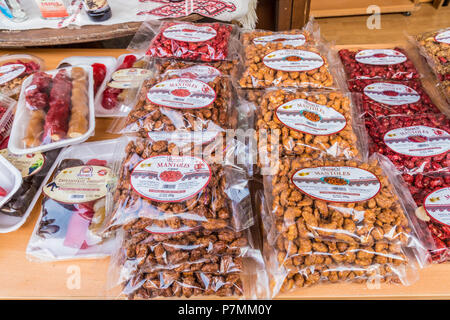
(79, 184)
(309, 117)
(183, 137)
(437, 205)
(293, 60)
(391, 94)
(284, 39)
(190, 33)
(418, 141)
(200, 72)
(10, 72)
(182, 93)
(170, 178)
(128, 78)
(380, 57)
(28, 164)
(337, 184)
(443, 37)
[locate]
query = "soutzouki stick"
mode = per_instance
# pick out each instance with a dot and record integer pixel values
(78, 124)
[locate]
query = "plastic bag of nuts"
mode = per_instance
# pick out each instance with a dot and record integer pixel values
(431, 192)
(278, 65)
(435, 46)
(384, 97)
(196, 70)
(392, 64)
(311, 124)
(175, 102)
(187, 40)
(414, 144)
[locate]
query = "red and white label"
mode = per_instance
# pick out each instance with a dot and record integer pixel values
(190, 33)
(284, 39)
(170, 178)
(437, 205)
(443, 37)
(309, 117)
(337, 184)
(182, 93)
(293, 60)
(391, 94)
(10, 72)
(201, 72)
(380, 57)
(418, 141)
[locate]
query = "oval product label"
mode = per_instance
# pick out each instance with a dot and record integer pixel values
(128, 78)
(10, 72)
(183, 137)
(182, 93)
(380, 57)
(337, 184)
(284, 39)
(201, 72)
(189, 32)
(28, 164)
(391, 94)
(437, 205)
(79, 184)
(170, 178)
(418, 141)
(293, 60)
(309, 117)
(443, 37)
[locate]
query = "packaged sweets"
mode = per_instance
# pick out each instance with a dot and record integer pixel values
(74, 204)
(276, 65)
(56, 108)
(187, 40)
(392, 64)
(385, 97)
(197, 70)
(435, 46)
(311, 124)
(414, 144)
(14, 69)
(293, 37)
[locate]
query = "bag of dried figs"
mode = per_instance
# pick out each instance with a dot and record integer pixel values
(74, 205)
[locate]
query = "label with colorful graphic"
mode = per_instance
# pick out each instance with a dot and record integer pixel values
(10, 72)
(201, 72)
(437, 205)
(418, 141)
(182, 93)
(189, 32)
(391, 94)
(284, 39)
(52, 9)
(380, 57)
(293, 60)
(170, 178)
(128, 78)
(79, 184)
(443, 37)
(28, 164)
(337, 184)
(309, 117)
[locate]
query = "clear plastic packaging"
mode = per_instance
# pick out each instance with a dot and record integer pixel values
(55, 109)
(197, 70)
(13, 71)
(292, 37)
(74, 204)
(385, 97)
(7, 107)
(187, 40)
(311, 124)
(10, 180)
(392, 64)
(414, 144)
(118, 92)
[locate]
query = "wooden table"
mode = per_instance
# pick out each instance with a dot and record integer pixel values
(20, 278)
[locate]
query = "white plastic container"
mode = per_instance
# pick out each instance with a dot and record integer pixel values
(10, 180)
(7, 118)
(22, 118)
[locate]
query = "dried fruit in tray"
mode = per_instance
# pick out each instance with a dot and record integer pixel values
(13, 71)
(275, 65)
(309, 124)
(384, 97)
(431, 192)
(392, 64)
(414, 144)
(192, 41)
